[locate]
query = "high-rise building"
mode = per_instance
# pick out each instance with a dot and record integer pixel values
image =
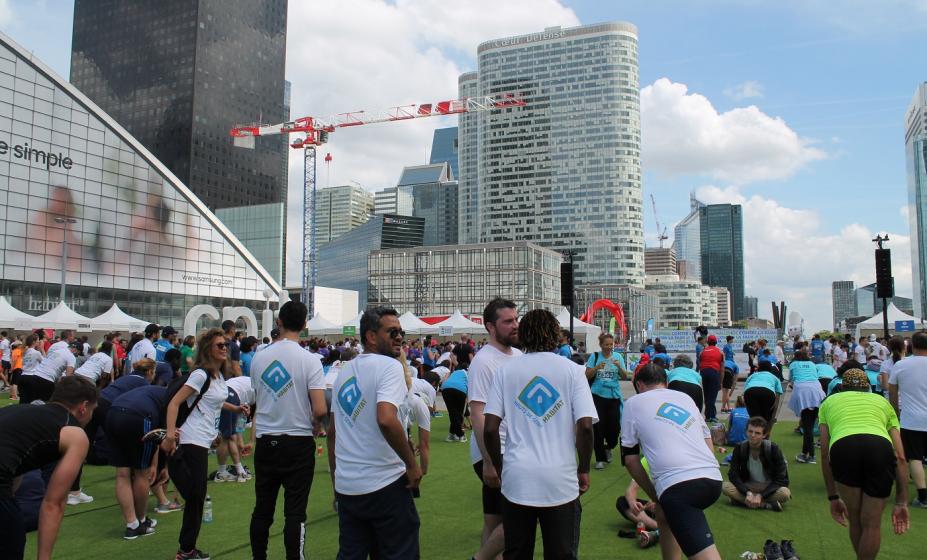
(915, 145)
(562, 171)
(659, 260)
(434, 198)
(721, 238)
(681, 301)
(868, 303)
(723, 305)
(751, 307)
(444, 148)
(392, 200)
(844, 301)
(340, 209)
(687, 242)
(468, 207)
(259, 228)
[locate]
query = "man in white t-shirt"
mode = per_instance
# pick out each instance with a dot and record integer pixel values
(67, 337)
(546, 401)
(144, 348)
(375, 468)
(98, 364)
(666, 427)
(289, 396)
(907, 388)
(500, 317)
(40, 384)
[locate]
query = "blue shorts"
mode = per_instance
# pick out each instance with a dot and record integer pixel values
(229, 420)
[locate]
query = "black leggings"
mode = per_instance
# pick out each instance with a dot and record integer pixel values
(808, 417)
(683, 504)
(188, 468)
(605, 432)
(455, 401)
(35, 388)
(760, 401)
(691, 389)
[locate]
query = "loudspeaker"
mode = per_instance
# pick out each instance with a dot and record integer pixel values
(566, 284)
(885, 284)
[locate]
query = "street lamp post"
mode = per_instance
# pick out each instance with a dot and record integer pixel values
(64, 250)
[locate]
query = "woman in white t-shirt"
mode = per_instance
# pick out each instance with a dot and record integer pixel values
(189, 461)
(98, 365)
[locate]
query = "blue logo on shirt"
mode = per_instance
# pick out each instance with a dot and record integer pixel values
(673, 413)
(349, 396)
(277, 378)
(538, 396)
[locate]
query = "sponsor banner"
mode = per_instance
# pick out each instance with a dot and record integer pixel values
(684, 341)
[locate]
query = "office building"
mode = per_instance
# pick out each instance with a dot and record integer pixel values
(392, 200)
(687, 242)
(721, 239)
(563, 171)
(137, 236)
(843, 300)
(869, 304)
(259, 228)
(343, 261)
(751, 305)
(439, 280)
(468, 208)
(341, 209)
(681, 301)
(722, 306)
(709, 306)
(915, 146)
(659, 260)
(434, 198)
(444, 148)
(641, 308)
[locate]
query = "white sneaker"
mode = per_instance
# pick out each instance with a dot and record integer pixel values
(462, 439)
(79, 498)
(225, 476)
(600, 465)
(451, 438)
(242, 477)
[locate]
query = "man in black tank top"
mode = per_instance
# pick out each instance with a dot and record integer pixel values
(32, 437)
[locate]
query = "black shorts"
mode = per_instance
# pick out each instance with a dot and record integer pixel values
(760, 402)
(727, 380)
(492, 497)
(915, 444)
(622, 505)
(15, 375)
(864, 461)
(6, 366)
(227, 419)
(683, 505)
(124, 431)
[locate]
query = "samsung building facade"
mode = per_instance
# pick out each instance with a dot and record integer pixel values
(135, 235)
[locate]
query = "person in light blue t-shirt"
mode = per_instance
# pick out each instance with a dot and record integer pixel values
(762, 393)
(605, 369)
(686, 380)
(806, 398)
(826, 372)
(454, 392)
(165, 343)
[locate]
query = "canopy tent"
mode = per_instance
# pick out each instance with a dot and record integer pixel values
(62, 317)
(413, 325)
(874, 324)
(589, 332)
(458, 324)
(319, 325)
(115, 319)
(12, 318)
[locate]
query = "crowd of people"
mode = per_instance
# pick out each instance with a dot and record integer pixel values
(541, 415)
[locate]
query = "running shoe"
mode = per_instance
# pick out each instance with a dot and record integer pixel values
(225, 476)
(772, 550)
(462, 439)
(599, 465)
(79, 498)
(627, 533)
(918, 504)
(157, 435)
(243, 477)
(143, 530)
(809, 459)
(788, 551)
(773, 506)
(195, 554)
(169, 507)
(451, 438)
(608, 455)
(648, 538)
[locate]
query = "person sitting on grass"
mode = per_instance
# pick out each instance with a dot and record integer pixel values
(737, 423)
(640, 512)
(758, 477)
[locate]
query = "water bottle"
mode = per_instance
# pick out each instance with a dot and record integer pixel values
(207, 510)
(319, 450)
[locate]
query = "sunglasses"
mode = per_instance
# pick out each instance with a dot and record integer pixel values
(221, 345)
(396, 333)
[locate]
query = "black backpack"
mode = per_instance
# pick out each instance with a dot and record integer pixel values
(174, 387)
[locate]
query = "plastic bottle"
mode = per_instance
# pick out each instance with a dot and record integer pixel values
(207, 510)
(319, 450)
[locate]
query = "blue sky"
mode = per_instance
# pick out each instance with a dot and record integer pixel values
(818, 161)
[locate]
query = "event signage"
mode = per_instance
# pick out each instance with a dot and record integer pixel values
(684, 341)
(904, 326)
(446, 330)
(349, 330)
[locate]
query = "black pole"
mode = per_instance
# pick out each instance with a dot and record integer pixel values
(572, 297)
(885, 318)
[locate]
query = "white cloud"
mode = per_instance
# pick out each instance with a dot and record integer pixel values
(370, 55)
(746, 90)
(788, 256)
(6, 13)
(682, 133)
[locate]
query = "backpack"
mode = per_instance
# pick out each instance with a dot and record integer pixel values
(174, 387)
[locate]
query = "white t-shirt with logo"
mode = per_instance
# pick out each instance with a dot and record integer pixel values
(142, 349)
(202, 425)
(54, 365)
(425, 390)
(910, 375)
(5, 350)
(484, 367)
(282, 376)
(671, 433)
(60, 345)
(541, 395)
(242, 387)
(31, 360)
(365, 461)
(95, 366)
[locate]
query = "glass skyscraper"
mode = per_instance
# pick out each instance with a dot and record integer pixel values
(563, 171)
(915, 144)
(844, 301)
(722, 251)
(687, 242)
(444, 148)
(434, 198)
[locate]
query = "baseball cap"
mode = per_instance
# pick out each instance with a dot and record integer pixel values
(151, 329)
(712, 338)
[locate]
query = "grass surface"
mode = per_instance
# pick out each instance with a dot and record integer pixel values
(450, 510)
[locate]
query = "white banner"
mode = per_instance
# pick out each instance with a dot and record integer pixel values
(684, 341)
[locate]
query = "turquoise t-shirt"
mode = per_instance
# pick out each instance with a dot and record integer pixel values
(456, 380)
(688, 375)
(246, 358)
(764, 379)
(802, 372)
(834, 383)
(826, 371)
(606, 384)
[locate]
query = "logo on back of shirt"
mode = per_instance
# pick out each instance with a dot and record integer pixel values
(540, 399)
(675, 414)
(350, 398)
(277, 379)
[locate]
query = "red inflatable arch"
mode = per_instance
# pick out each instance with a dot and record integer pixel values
(614, 308)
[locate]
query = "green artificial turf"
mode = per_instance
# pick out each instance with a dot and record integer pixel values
(451, 515)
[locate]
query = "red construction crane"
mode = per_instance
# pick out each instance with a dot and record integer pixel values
(316, 131)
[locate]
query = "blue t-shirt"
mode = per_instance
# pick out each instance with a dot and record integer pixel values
(565, 351)
(737, 433)
(122, 385)
(246, 358)
(826, 371)
(771, 358)
(650, 349)
(161, 347)
(731, 365)
(667, 361)
(429, 357)
(802, 371)
(728, 352)
(817, 348)
(685, 374)
(149, 400)
(764, 379)
(606, 380)
(456, 380)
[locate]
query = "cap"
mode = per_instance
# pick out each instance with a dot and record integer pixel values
(151, 329)
(712, 338)
(872, 338)
(855, 378)
(168, 330)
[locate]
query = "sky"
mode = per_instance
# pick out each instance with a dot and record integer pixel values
(792, 108)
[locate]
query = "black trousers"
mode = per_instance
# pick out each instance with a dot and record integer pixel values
(691, 389)
(12, 530)
(35, 388)
(760, 401)
(808, 417)
(188, 468)
(382, 525)
(287, 461)
(711, 385)
(455, 401)
(559, 530)
(605, 431)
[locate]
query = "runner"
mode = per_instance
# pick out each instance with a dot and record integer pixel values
(98, 365)
(711, 366)
(686, 380)
(762, 393)
(604, 369)
(40, 383)
(144, 348)
(806, 398)
(908, 392)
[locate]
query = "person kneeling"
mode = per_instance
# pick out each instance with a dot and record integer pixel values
(758, 475)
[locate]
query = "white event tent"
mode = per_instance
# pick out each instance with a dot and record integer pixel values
(460, 325)
(12, 318)
(115, 319)
(62, 317)
(413, 325)
(874, 324)
(589, 332)
(319, 325)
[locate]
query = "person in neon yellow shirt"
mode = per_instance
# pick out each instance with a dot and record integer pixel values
(861, 456)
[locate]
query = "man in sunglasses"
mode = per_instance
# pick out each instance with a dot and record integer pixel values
(375, 468)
